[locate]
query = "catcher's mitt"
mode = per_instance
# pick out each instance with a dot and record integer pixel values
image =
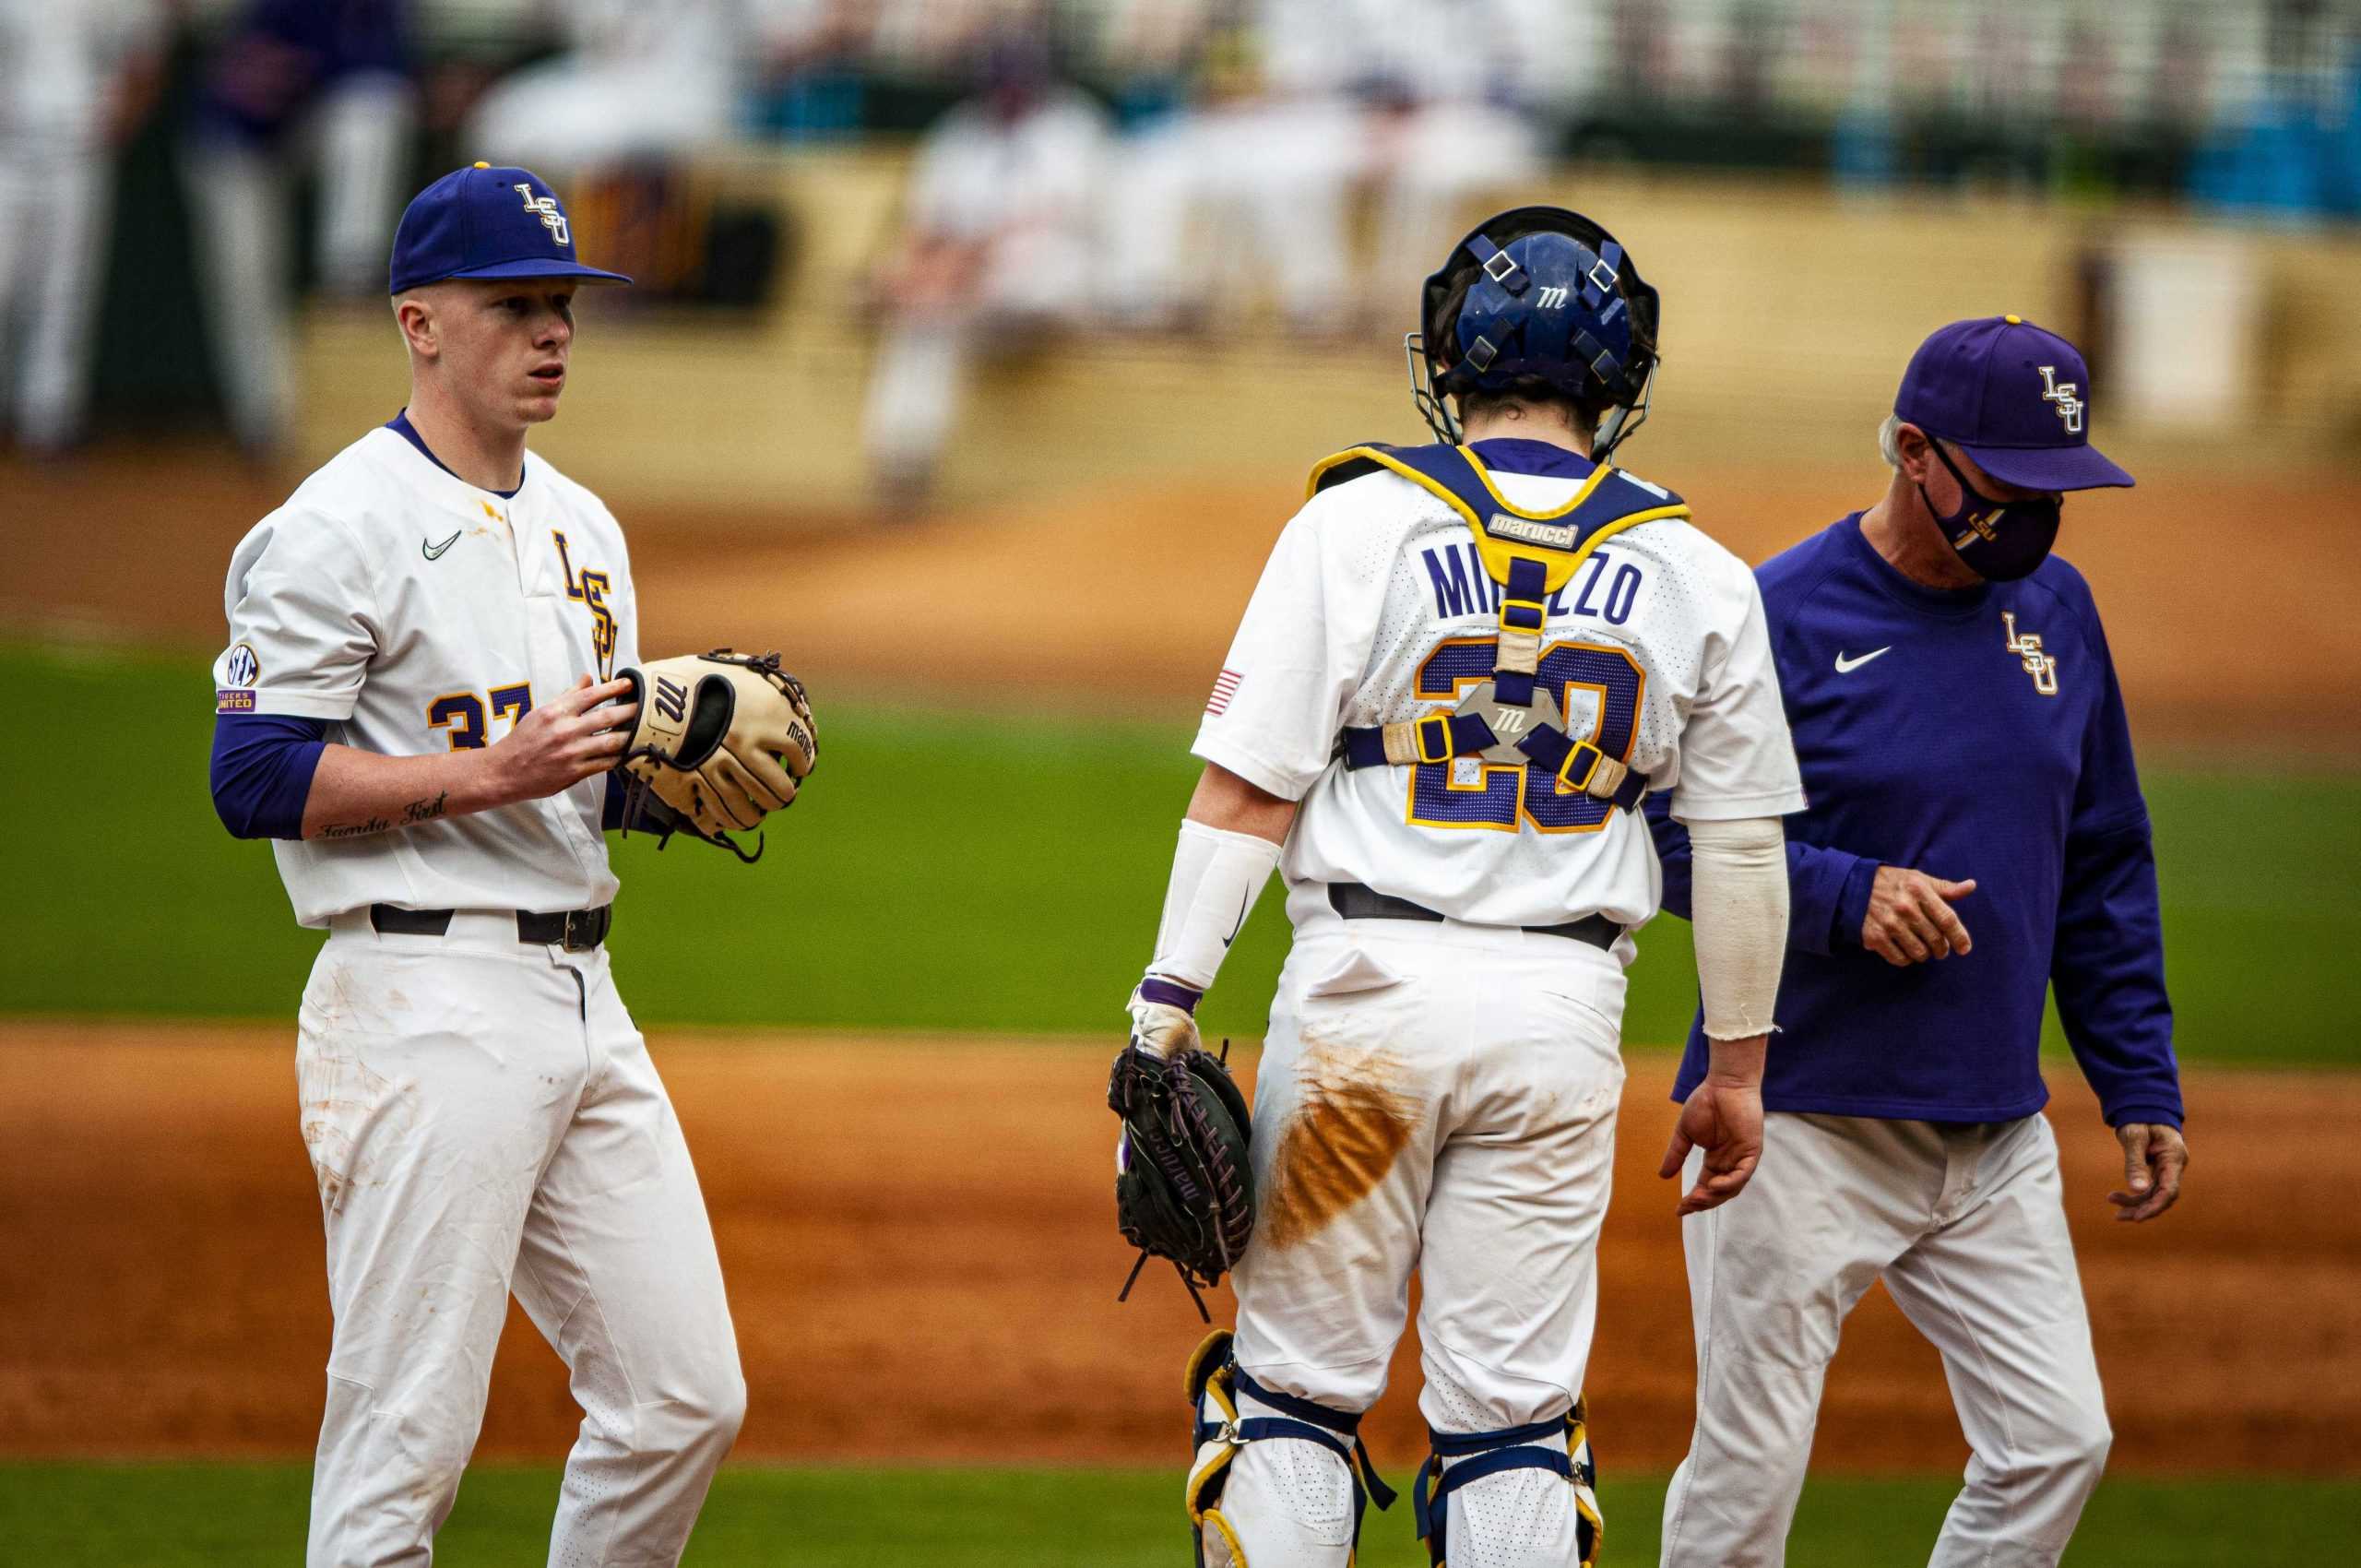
(1183, 1188)
(721, 740)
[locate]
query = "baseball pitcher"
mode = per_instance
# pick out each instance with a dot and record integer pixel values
(432, 677)
(1464, 667)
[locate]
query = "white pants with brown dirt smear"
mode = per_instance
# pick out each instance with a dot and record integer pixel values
(1966, 1226)
(482, 1117)
(1437, 1098)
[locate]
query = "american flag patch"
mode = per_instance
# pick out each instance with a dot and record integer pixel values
(1224, 689)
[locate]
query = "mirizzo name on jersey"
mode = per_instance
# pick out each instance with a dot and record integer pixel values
(1606, 589)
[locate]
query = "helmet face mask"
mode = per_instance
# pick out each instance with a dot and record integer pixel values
(1547, 295)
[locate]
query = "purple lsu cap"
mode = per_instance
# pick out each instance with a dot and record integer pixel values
(2011, 396)
(487, 222)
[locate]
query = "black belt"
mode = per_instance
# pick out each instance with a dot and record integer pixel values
(576, 930)
(1355, 902)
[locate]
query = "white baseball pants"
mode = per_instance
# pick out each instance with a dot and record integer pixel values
(1438, 1097)
(1218, 205)
(1029, 287)
(238, 197)
(1965, 1224)
(482, 1117)
(56, 204)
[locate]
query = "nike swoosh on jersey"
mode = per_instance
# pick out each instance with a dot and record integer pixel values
(435, 551)
(1847, 666)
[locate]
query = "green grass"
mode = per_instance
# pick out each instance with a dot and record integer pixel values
(226, 1516)
(960, 870)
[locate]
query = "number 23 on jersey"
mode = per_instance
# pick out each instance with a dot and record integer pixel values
(1502, 797)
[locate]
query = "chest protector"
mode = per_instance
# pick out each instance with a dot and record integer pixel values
(1532, 556)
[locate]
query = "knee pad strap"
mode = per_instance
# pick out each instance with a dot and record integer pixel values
(1214, 1377)
(1482, 1454)
(1319, 1424)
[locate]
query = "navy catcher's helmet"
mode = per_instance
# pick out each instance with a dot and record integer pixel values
(1550, 296)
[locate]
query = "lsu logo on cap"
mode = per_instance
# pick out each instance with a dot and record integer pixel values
(2069, 406)
(554, 220)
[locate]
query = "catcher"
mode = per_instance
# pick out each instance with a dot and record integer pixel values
(420, 704)
(1464, 667)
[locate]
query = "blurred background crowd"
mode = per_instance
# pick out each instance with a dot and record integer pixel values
(176, 176)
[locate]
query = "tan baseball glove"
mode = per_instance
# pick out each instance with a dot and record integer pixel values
(722, 741)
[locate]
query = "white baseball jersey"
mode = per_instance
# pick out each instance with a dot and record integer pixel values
(1375, 607)
(642, 30)
(1436, 51)
(59, 65)
(983, 178)
(417, 614)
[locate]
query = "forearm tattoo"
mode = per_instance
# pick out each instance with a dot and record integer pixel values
(412, 815)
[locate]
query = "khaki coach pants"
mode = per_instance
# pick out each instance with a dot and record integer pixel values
(1965, 1224)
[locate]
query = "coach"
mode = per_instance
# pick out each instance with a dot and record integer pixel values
(1964, 743)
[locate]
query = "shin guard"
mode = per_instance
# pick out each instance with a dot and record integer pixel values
(1220, 1432)
(1481, 1453)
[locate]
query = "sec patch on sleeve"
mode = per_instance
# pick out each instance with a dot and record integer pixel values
(239, 668)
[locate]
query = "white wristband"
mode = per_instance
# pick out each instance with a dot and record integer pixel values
(1739, 919)
(1217, 876)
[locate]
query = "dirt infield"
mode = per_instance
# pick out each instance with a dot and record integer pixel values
(903, 1289)
(1136, 591)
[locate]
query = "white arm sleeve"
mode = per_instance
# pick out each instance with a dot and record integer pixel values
(1217, 876)
(1739, 919)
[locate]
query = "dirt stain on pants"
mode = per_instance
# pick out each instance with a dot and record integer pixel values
(1349, 1124)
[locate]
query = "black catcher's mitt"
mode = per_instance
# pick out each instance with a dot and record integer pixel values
(1183, 1189)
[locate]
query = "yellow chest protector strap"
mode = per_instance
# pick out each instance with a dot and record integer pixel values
(1532, 556)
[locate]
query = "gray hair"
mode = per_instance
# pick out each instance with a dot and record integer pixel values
(1890, 442)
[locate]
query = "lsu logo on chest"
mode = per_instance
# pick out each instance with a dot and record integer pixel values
(2027, 646)
(588, 587)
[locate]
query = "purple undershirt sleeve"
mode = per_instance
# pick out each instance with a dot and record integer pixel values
(262, 772)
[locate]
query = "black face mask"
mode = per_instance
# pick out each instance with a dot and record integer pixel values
(1999, 540)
